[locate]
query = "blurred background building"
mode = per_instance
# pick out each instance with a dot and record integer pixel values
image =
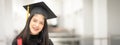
(79, 22)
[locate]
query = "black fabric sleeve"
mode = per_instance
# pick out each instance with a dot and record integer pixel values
(50, 42)
(14, 42)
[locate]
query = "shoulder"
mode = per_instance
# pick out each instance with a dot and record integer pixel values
(50, 42)
(14, 42)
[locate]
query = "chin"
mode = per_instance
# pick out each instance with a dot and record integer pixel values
(35, 34)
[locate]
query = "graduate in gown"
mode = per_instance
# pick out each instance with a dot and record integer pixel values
(35, 31)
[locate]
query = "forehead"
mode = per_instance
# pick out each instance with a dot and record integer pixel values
(38, 17)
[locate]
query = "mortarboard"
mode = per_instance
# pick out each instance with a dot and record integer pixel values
(41, 8)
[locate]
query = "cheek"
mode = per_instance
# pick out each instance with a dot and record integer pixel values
(41, 27)
(31, 24)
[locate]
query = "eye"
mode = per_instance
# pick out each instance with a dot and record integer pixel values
(34, 20)
(41, 23)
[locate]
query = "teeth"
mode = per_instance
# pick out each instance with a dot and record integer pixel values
(35, 28)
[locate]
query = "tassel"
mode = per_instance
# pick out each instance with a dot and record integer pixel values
(27, 12)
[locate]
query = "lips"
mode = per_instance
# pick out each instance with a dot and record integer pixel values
(35, 29)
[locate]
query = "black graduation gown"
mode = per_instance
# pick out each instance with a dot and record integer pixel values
(33, 41)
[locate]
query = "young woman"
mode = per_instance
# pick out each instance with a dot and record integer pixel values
(35, 31)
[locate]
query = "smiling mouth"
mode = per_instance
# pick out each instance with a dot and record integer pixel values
(35, 29)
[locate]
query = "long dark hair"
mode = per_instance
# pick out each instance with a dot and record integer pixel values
(25, 34)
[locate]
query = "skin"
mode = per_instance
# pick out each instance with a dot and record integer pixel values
(36, 24)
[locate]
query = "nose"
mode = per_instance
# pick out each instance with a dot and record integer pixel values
(37, 24)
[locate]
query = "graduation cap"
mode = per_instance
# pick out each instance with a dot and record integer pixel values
(40, 8)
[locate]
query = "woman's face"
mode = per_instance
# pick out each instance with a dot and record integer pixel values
(36, 24)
